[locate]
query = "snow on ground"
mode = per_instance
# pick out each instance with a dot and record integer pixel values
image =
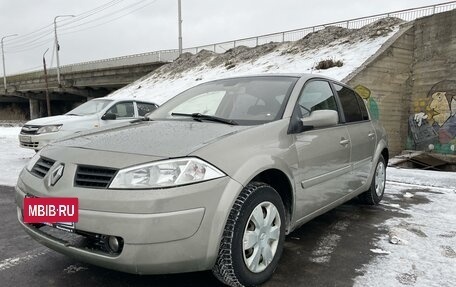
(160, 87)
(12, 157)
(419, 248)
(422, 177)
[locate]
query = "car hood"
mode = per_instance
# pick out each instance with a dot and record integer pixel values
(54, 120)
(155, 138)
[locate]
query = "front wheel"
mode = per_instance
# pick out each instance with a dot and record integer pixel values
(253, 238)
(375, 193)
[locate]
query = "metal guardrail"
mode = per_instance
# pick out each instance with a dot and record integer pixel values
(150, 57)
(296, 34)
(136, 59)
(221, 47)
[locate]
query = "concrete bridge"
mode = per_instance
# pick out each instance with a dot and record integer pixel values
(79, 82)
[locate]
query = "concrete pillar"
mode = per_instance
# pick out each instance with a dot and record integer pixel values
(43, 109)
(34, 109)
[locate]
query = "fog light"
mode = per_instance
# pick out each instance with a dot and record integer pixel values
(113, 244)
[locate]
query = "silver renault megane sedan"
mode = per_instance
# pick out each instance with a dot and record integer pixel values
(213, 179)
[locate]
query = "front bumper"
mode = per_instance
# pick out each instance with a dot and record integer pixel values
(164, 231)
(38, 141)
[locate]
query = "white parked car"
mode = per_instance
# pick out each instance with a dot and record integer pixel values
(100, 112)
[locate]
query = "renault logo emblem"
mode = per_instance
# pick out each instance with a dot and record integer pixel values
(55, 175)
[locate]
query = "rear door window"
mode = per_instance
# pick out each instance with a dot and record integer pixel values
(350, 105)
(363, 108)
(145, 108)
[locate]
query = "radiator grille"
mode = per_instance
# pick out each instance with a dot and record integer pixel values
(94, 176)
(42, 166)
(30, 144)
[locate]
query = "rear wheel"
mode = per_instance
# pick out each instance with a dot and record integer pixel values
(252, 241)
(375, 193)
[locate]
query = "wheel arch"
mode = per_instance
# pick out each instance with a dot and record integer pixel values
(278, 180)
(385, 154)
(381, 150)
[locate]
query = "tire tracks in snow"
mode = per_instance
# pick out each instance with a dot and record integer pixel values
(330, 240)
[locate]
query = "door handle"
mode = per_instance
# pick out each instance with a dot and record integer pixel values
(344, 142)
(371, 135)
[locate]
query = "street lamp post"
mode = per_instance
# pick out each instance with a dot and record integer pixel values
(57, 46)
(48, 102)
(179, 12)
(3, 59)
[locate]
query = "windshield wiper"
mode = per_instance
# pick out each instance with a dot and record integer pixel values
(199, 116)
(72, 115)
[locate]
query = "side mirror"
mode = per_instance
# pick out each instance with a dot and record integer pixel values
(321, 118)
(109, 116)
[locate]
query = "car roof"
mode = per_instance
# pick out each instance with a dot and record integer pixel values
(123, 99)
(294, 75)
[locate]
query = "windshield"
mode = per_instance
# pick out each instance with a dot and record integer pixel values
(246, 101)
(89, 108)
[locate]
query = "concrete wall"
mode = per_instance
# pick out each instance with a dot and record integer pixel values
(433, 96)
(384, 84)
(410, 85)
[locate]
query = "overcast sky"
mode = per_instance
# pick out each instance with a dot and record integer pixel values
(123, 27)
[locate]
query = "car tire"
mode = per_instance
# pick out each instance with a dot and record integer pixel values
(374, 194)
(253, 238)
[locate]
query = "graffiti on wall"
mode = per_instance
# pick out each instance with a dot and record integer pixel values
(433, 124)
(371, 104)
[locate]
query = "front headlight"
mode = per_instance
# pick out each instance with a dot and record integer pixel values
(166, 173)
(33, 161)
(48, 129)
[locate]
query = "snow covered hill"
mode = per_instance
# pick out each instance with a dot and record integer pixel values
(351, 47)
